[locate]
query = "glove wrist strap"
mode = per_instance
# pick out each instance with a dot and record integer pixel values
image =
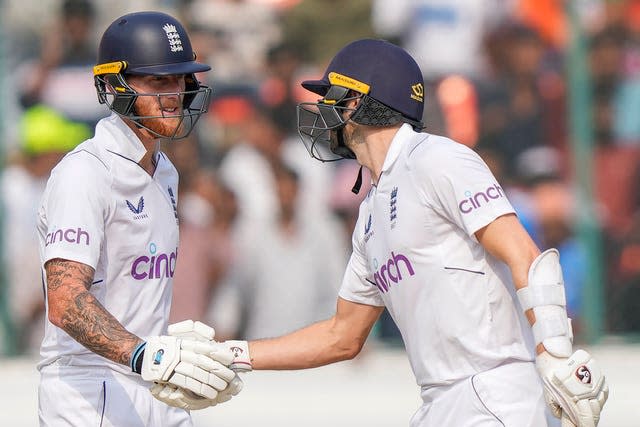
(137, 357)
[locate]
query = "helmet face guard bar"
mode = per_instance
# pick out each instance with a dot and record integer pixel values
(114, 91)
(316, 120)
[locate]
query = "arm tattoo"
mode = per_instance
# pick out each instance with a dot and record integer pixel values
(82, 316)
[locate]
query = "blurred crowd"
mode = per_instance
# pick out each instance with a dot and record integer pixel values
(265, 230)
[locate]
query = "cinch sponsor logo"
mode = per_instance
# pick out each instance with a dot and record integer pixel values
(71, 235)
(474, 201)
(391, 271)
(156, 266)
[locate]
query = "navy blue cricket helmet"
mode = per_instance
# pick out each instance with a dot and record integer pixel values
(148, 43)
(386, 78)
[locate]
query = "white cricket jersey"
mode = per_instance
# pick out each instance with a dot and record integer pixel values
(104, 210)
(414, 251)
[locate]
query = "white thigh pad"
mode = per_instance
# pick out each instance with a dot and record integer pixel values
(544, 294)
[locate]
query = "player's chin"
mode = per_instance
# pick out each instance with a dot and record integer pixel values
(167, 126)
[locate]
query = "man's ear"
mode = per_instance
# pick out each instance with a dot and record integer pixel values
(352, 100)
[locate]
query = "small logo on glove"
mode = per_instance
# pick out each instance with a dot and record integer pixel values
(237, 351)
(157, 358)
(584, 374)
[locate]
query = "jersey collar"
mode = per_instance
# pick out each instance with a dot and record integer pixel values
(124, 141)
(396, 146)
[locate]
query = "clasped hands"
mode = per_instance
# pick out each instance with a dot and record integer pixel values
(189, 369)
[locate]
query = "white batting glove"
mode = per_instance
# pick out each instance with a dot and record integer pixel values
(182, 362)
(184, 398)
(574, 388)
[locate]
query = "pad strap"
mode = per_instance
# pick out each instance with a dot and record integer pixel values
(553, 325)
(534, 296)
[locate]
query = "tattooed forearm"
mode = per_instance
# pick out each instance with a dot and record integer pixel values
(60, 271)
(78, 313)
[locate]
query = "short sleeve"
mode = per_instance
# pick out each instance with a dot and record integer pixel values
(458, 184)
(357, 285)
(74, 209)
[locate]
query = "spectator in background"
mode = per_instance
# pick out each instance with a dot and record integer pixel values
(615, 80)
(513, 101)
(317, 28)
(279, 84)
(286, 277)
(605, 58)
(450, 31)
(241, 32)
(207, 212)
(246, 167)
(45, 136)
(554, 212)
(515, 187)
(257, 143)
(61, 76)
(445, 38)
(623, 288)
(223, 126)
(624, 40)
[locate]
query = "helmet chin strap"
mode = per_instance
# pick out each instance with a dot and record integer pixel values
(358, 184)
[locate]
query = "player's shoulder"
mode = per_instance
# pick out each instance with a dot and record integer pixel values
(85, 163)
(435, 152)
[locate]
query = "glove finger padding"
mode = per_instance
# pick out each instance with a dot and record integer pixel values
(234, 387)
(211, 349)
(204, 376)
(180, 398)
(201, 339)
(575, 384)
(197, 387)
(209, 365)
(190, 329)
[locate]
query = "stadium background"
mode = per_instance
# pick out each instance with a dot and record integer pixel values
(569, 154)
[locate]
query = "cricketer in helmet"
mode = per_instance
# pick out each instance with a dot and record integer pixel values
(117, 194)
(146, 74)
(439, 246)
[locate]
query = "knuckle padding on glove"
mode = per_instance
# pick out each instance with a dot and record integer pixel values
(209, 365)
(195, 386)
(194, 373)
(180, 398)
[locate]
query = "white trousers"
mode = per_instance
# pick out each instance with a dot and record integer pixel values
(507, 396)
(100, 397)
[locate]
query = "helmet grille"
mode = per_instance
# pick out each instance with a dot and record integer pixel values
(374, 113)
